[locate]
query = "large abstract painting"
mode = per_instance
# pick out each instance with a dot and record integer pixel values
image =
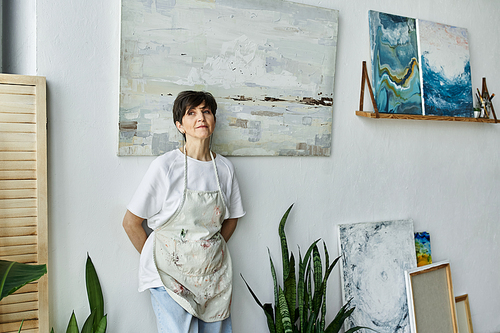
(269, 63)
(396, 74)
(374, 259)
(420, 67)
(446, 76)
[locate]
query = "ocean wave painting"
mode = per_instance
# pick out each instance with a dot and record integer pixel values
(395, 67)
(446, 75)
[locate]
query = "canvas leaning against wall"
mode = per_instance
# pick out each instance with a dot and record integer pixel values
(270, 64)
(374, 259)
(420, 67)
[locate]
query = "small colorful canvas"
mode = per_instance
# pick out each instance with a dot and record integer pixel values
(423, 248)
(445, 64)
(396, 72)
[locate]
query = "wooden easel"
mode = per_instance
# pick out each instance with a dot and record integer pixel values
(365, 78)
(486, 96)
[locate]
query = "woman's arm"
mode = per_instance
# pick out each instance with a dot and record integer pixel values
(228, 227)
(133, 227)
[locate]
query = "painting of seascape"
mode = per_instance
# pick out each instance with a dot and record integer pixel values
(374, 259)
(446, 75)
(269, 64)
(395, 68)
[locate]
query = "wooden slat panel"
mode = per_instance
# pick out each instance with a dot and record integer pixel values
(17, 212)
(20, 240)
(17, 117)
(18, 156)
(23, 258)
(18, 231)
(18, 307)
(17, 184)
(15, 99)
(20, 174)
(19, 298)
(17, 108)
(17, 146)
(14, 326)
(18, 222)
(23, 196)
(33, 330)
(18, 250)
(29, 288)
(17, 137)
(17, 165)
(17, 128)
(17, 194)
(18, 203)
(17, 89)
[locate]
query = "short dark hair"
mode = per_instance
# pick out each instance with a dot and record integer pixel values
(188, 99)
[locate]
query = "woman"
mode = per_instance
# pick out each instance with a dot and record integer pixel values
(191, 199)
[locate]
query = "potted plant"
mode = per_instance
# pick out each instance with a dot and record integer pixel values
(300, 304)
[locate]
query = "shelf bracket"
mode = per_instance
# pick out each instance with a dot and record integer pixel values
(486, 96)
(366, 80)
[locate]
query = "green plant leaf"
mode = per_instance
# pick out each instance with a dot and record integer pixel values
(72, 325)
(268, 308)
(318, 281)
(341, 316)
(277, 319)
(290, 290)
(283, 307)
(101, 327)
(88, 325)
(357, 328)
(301, 286)
(94, 292)
(22, 322)
(52, 330)
(14, 275)
(284, 245)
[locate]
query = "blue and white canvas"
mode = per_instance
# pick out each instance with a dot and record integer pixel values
(374, 259)
(270, 64)
(396, 73)
(446, 75)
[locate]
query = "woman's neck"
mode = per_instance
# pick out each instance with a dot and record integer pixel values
(198, 151)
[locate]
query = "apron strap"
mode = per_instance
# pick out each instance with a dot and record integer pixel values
(216, 176)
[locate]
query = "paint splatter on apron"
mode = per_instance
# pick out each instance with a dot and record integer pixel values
(191, 255)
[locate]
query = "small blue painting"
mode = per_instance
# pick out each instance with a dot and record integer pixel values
(395, 68)
(446, 75)
(423, 248)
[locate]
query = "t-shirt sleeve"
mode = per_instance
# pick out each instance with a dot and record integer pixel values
(149, 196)
(236, 209)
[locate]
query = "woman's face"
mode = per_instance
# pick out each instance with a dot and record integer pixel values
(197, 123)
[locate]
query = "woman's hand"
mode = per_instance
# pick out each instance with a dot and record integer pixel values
(133, 227)
(228, 227)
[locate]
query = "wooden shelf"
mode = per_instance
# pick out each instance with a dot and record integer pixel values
(419, 117)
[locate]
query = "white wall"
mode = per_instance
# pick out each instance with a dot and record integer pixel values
(444, 175)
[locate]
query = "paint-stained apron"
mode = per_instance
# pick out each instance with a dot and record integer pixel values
(191, 255)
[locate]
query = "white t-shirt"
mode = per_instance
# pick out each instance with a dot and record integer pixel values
(160, 193)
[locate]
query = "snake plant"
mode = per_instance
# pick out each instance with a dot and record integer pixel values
(96, 322)
(300, 305)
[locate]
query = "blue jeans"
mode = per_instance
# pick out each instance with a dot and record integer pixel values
(172, 318)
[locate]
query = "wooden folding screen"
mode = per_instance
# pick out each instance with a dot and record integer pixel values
(23, 197)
